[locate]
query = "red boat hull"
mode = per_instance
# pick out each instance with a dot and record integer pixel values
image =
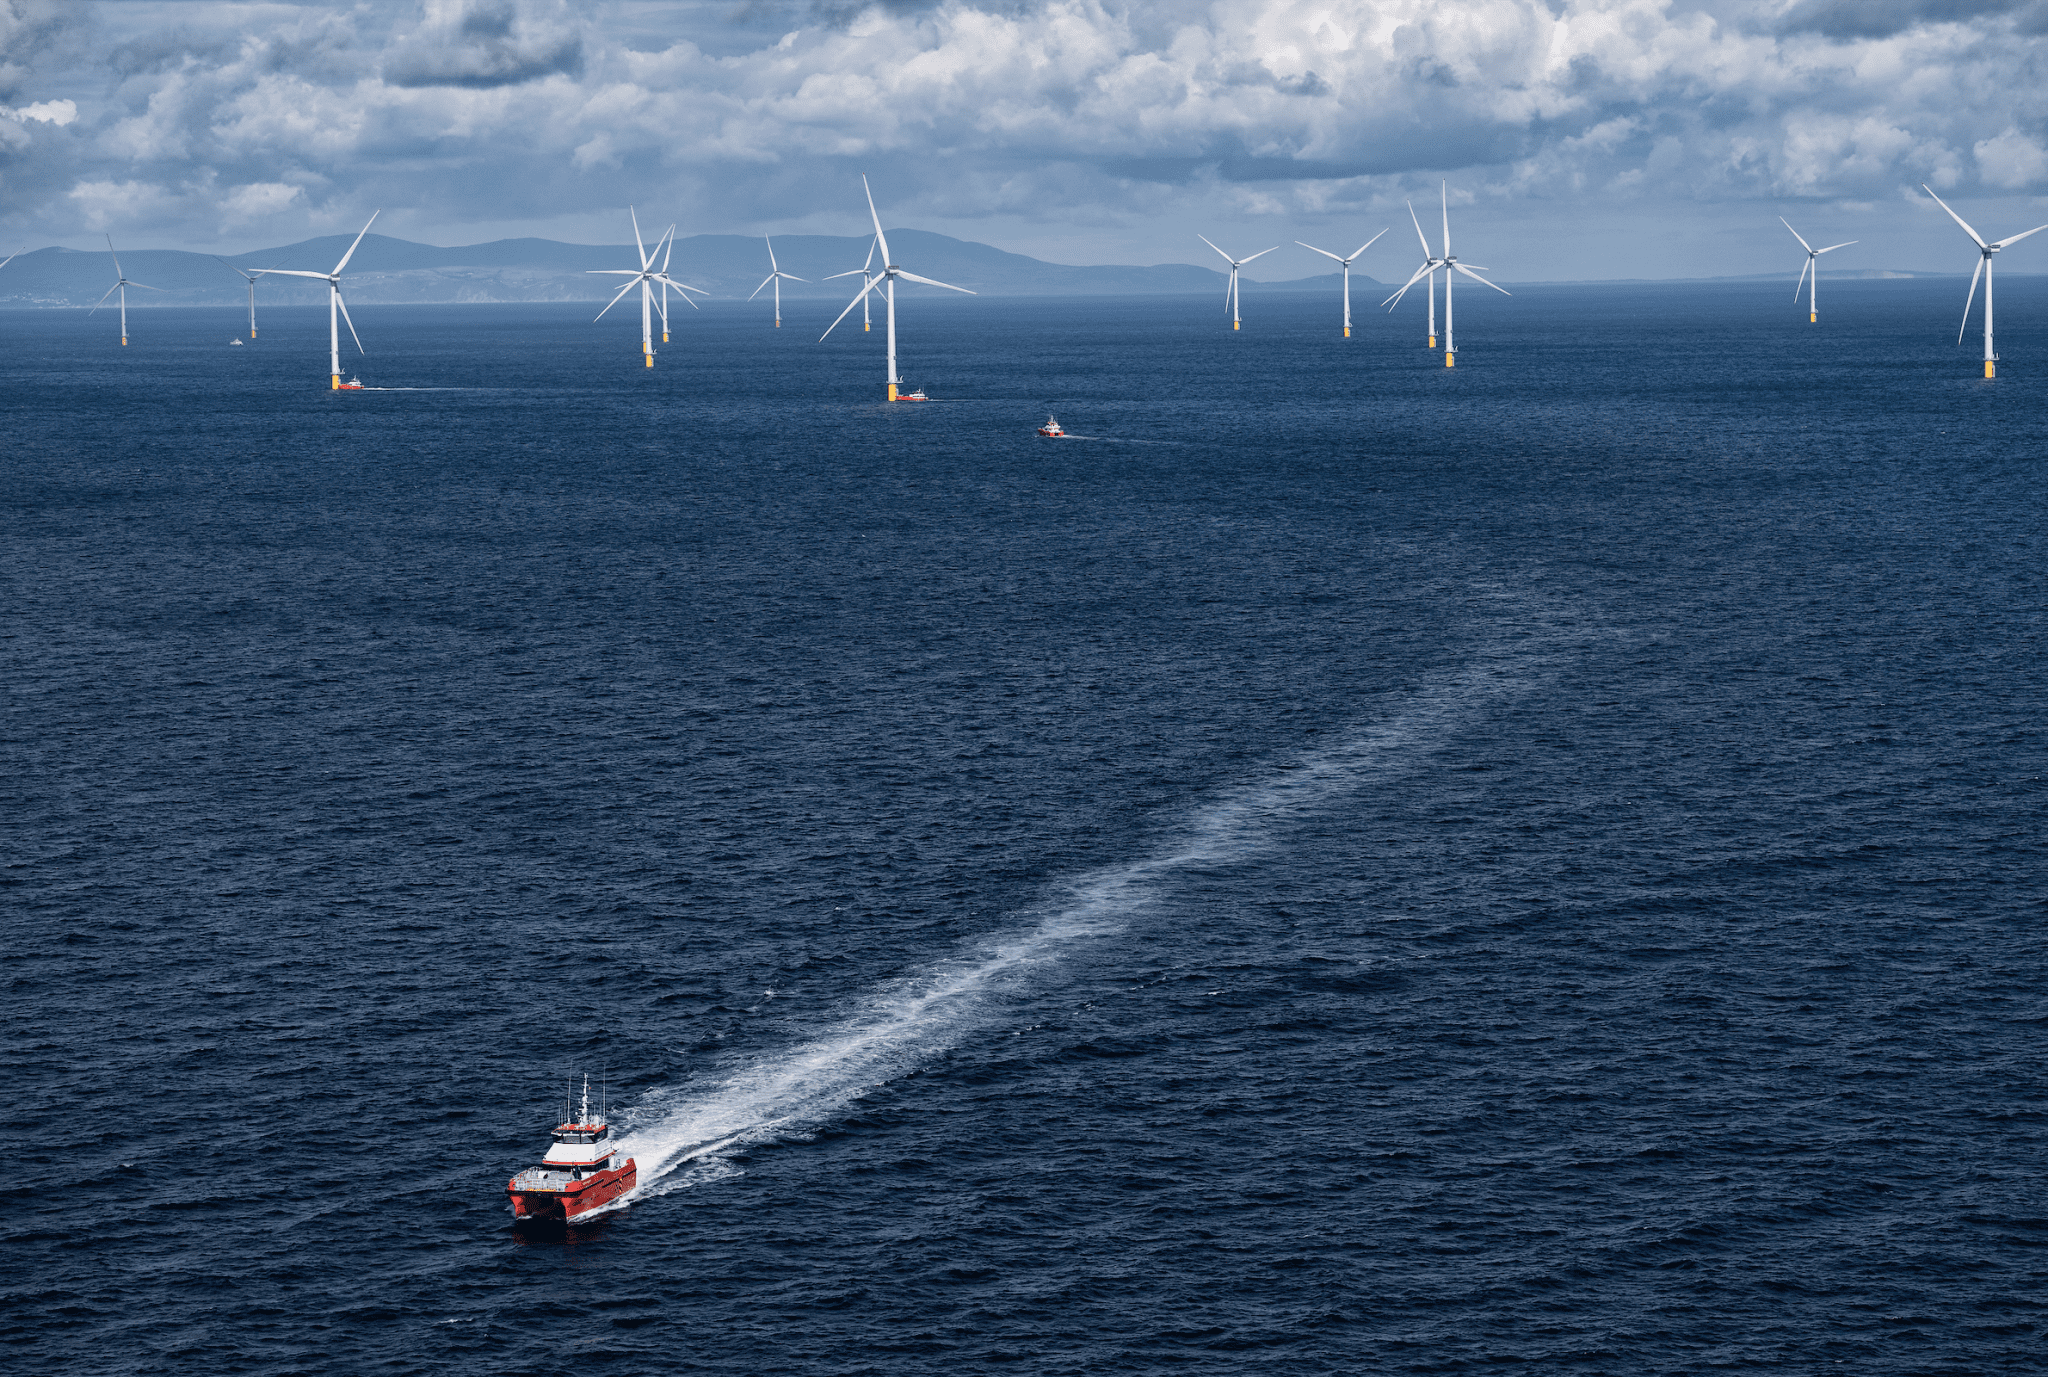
(575, 1198)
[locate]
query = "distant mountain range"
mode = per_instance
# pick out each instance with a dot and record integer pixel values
(386, 270)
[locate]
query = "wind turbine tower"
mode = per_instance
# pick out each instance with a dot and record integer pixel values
(1984, 255)
(1449, 263)
(334, 304)
(890, 272)
(249, 277)
(1813, 267)
(1230, 292)
(1344, 263)
(121, 285)
(646, 277)
(1430, 263)
(775, 275)
(667, 285)
(866, 277)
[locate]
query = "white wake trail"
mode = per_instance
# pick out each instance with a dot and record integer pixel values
(910, 1021)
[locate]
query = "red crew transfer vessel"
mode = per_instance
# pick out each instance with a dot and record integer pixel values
(583, 1171)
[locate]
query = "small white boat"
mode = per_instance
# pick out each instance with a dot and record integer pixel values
(237, 343)
(1051, 427)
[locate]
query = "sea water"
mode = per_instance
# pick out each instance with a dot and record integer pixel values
(1346, 865)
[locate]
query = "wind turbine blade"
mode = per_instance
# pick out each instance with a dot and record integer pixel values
(1800, 285)
(1971, 299)
(10, 258)
(615, 300)
(1260, 254)
(1480, 280)
(1416, 277)
(1796, 234)
(1226, 257)
(1847, 242)
(1324, 252)
(1368, 243)
(850, 272)
(606, 272)
(880, 238)
(683, 289)
(351, 324)
(146, 287)
(913, 277)
(871, 255)
(764, 284)
(117, 260)
(216, 258)
(103, 300)
(2015, 238)
(773, 266)
(1447, 222)
(787, 277)
(1955, 217)
(670, 251)
(869, 287)
(352, 247)
(638, 242)
(293, 272)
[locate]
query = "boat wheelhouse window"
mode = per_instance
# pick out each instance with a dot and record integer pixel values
(575, 1137)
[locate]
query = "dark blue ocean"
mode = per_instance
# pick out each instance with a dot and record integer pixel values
(1352, 867)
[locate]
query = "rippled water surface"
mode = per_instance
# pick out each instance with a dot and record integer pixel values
(1351, 866)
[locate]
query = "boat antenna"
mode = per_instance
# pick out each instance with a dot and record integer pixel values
(604, 1094)
(586, 1098)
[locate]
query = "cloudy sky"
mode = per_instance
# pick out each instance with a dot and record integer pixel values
(1581, 138)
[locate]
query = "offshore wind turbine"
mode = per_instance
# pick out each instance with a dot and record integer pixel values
(1449, 263)
(122, 284)
(865, 276)
(1430, 264)
(334, 304)
(1345, 263)
(646, 277)
(681, 289)
(890, 272)
(251, 279)
(1230, 292)
(775, 275)
(1813, 266)
(1984, 254)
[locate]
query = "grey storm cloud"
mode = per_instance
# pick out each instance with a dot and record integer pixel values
(1884, 18)
(481, 45)
(220, 119)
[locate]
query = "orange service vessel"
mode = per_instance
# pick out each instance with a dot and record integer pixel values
(583, 1171)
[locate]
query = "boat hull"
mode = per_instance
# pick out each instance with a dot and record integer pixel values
(573, 1198)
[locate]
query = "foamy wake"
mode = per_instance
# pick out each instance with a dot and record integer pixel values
(677, 1136)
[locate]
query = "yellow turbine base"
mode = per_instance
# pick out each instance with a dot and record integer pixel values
(1233, 325)
(892, 392)
(1812, 318)
(334, 383)
(124, 341)
(778, 323)
(650, 360)
(1432, 341)
(1347, 332)
(664, 337)
(1990, 369)
(865, 327)
(1450, 359)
